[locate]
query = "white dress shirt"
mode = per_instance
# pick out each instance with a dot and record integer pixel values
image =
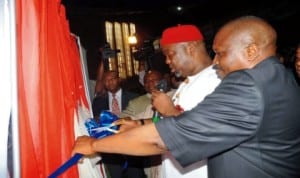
(190, 92)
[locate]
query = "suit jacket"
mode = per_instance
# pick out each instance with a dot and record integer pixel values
(141, 107)
(101, 103)
(136, 106)
(115, 162)
(249, 127)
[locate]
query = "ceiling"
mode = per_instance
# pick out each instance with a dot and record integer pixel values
(208, 7)
(153, 16)
(128, 4)
(86, 17)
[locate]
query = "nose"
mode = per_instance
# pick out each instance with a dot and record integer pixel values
(167, 60)
(215, 61)
(297, 63)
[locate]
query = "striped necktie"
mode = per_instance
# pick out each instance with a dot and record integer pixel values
(115, 105)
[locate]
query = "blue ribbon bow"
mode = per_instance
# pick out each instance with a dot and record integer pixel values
(97, 130)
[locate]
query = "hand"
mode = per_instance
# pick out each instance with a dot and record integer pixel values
(163, 104)
(126, 124)
(84, 145)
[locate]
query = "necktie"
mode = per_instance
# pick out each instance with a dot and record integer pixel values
(115, 105)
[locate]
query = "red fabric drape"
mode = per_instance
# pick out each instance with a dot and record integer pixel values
(50, 87)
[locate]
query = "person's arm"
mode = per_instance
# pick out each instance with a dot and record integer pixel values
(226, 118)
(129, 111)
(143, 140)
(127, 123)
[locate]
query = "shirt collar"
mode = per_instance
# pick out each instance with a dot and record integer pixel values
(202, 72)
(117, 94)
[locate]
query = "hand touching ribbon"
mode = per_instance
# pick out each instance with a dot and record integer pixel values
(96, 130)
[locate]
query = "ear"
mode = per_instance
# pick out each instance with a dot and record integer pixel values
(190, 48)
(252, 51)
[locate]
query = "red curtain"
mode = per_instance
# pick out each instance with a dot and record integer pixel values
(50, 87)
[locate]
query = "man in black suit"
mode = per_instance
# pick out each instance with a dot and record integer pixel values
(249, 127)
(112, 85)
(119, 166)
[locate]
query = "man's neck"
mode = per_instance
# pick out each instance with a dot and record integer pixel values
(115, 92)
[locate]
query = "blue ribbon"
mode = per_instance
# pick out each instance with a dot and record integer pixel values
(96, 130)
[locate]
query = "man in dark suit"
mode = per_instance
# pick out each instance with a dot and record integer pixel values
(249, 127)
(112, 85)
(119, 166)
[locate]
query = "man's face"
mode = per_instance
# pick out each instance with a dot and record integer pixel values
(151, 79)
(111, 82)
(229, 54)
(177, 58)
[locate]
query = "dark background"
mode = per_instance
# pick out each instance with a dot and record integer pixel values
(86, 18)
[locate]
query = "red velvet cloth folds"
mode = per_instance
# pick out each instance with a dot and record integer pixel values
(50, 87)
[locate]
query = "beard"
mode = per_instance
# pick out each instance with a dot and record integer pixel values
(177, 74)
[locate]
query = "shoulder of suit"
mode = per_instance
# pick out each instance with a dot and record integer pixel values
(129, 94)
(101, 97)
(141, 98)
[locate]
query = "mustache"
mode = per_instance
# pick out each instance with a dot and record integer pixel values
(177, 74)
(218, 70)
(216, 67)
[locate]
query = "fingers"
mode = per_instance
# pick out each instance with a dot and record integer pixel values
(74, 151)
(155, 93)
(81, 160)
(119, 122)
(83, 145)
(123, 121)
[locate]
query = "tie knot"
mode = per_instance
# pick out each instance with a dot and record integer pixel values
(113, 95)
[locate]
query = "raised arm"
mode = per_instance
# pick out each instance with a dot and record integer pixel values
(163, 104)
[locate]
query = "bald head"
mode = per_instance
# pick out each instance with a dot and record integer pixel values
(151, 79)
(248, 40)
(251, 29)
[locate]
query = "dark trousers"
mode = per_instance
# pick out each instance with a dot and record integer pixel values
(124, 166)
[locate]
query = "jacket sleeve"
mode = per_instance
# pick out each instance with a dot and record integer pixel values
(223, 120)
(129, 111)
